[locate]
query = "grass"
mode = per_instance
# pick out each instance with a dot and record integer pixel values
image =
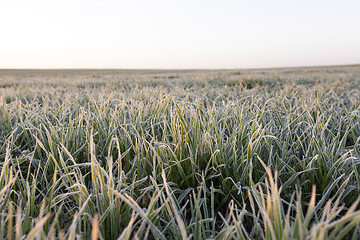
(251, 154)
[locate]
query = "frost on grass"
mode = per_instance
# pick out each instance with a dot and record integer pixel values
(244, 154)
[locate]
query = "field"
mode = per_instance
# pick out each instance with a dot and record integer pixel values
(190, 154)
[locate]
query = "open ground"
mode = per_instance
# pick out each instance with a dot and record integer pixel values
(180, 154)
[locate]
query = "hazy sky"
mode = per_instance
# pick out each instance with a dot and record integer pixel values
(178, 34)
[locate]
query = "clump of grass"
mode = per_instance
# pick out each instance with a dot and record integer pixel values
(198, 156)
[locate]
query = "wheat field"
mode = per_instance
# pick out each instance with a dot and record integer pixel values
(180, 154)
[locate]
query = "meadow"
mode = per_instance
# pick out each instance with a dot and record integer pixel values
(180, 154)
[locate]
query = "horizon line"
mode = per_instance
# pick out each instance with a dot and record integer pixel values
(189, 69)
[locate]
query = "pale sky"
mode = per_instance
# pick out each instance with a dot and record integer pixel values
(178, 34)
